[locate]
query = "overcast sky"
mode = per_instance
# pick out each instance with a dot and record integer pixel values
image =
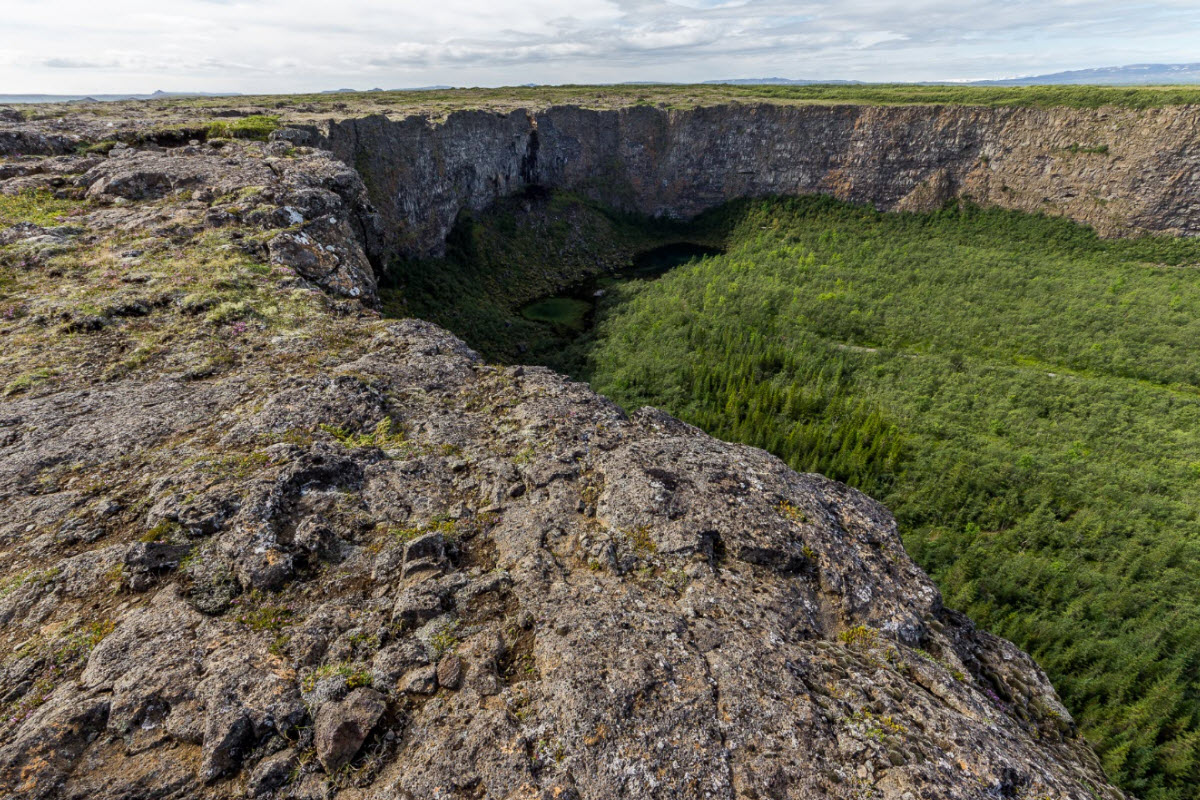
(88, 46)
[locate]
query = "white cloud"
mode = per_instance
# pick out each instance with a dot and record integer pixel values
(295, 45)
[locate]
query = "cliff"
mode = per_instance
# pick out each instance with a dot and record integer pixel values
(1118, 170)
(259, 541)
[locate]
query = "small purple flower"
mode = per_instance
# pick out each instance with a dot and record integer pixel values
(996, 701)
(238, 328)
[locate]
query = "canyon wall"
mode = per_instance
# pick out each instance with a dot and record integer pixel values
(1119, 170)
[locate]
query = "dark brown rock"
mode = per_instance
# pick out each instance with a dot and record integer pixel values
(342, 727)
(450, 672)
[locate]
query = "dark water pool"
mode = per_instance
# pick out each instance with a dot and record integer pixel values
(574, 310)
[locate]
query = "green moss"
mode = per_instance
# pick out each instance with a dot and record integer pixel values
(36, 206)
(162, 531)
(29, 577)
(790, 512)
(354, 675)
(641, 540)
(257, 127)
(385, 435)
(259, 613)
(27, 381)
(444, 640)
(859, 636)
(1096, 150)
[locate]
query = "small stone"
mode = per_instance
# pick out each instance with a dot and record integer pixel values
(315, 536)
(450, 672)
(342, 727)
(422, 680)
(430, 545)
(268, 570)
(271, 773)
(417, 605)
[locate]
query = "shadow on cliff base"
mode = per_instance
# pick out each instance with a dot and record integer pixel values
(525, 280)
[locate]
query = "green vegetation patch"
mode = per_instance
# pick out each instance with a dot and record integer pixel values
(37, 206)
(257, 126)
(1068, 96)
(438, 103)
(501, 283)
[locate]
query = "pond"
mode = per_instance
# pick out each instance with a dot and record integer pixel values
(574, 310)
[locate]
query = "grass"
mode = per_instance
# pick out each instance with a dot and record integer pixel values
(36, 206)
(439, 103)
(59, 660)
(258, 612)
(1068, 96)
(444, 640)
(257, 127)
(208, 300)
(354, 675)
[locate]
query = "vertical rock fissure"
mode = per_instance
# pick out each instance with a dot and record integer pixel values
(529, 162)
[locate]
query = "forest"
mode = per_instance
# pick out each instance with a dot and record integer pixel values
(1023, 395)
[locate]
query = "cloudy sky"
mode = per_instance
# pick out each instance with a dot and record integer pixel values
(87, 46)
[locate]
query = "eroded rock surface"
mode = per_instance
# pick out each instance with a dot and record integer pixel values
(657, 614)
(343, 557)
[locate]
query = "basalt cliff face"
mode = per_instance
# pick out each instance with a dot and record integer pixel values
(258, 541)
(1120, 171)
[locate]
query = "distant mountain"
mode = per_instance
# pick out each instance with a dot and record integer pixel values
(104, 98)
(774, 82)
(1130, 75)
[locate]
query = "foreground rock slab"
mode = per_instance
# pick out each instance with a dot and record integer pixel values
(658, 614)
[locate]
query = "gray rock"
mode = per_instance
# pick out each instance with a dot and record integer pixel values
(422, 680)
(272, 773)
(427, 546)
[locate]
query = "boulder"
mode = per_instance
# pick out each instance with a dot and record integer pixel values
(343, 726)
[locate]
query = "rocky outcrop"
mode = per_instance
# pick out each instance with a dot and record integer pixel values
(616, 607)
(1119, 170)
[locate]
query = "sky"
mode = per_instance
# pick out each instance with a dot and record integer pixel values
(138, 46)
